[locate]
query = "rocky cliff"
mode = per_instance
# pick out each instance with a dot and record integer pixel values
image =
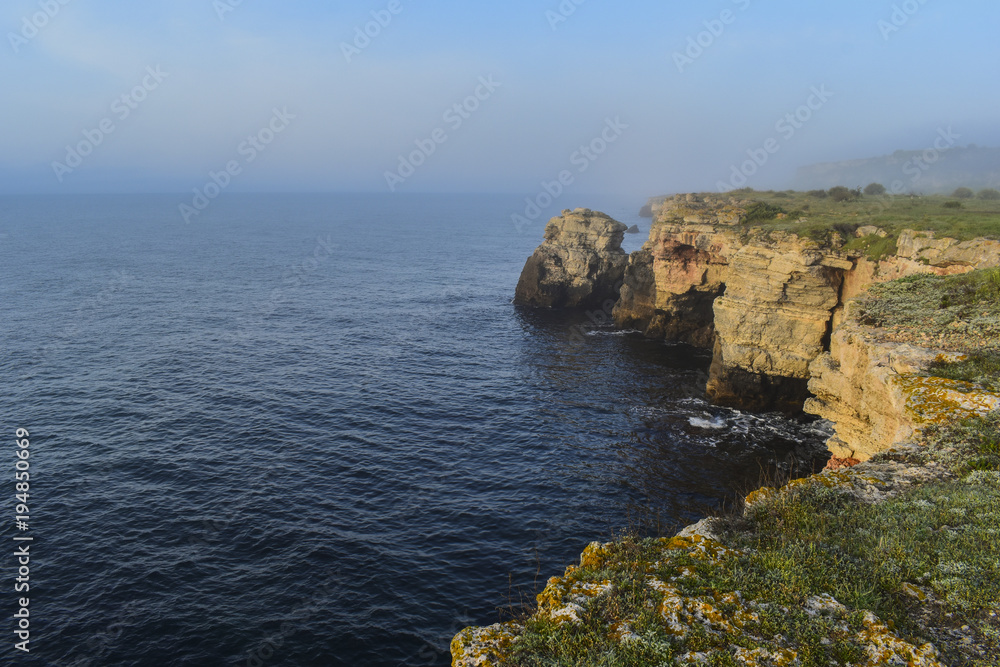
(877, 392)
(766, 299)
(579, 265)
(793, 579)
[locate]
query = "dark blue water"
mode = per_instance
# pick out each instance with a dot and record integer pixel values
(313, 430)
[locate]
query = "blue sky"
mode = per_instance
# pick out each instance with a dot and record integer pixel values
(688, 123)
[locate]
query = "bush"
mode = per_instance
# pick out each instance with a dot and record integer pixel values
(761, 212)
(817, 194)
(989, 194)
(953, 204)
(875, 189)
(963, 193)
(843, 194)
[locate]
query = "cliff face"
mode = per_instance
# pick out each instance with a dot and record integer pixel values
(777, 309)
(671, 284)
(876, 394)
(766, 303)
(580, 264)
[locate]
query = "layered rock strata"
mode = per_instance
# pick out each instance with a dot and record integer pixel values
(579, 265)
(766, 302)
(877, 394)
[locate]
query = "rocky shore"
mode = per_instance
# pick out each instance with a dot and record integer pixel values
(781, 312)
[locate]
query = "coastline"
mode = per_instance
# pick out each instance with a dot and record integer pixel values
(893, 445)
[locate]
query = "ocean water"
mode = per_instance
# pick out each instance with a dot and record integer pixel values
(313, 429)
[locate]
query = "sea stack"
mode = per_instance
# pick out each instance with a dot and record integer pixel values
(580, 264)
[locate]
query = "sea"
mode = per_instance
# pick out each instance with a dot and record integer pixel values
(313, 429)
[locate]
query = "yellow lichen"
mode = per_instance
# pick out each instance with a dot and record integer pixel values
(934, 400)
(885, 648)
(479, 647)
(700, 547)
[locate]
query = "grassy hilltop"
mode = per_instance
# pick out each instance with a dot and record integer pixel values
(817, 214)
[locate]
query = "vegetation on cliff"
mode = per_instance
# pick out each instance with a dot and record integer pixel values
(896, 561)
(959, 313)
(819, 214)
(893, 561)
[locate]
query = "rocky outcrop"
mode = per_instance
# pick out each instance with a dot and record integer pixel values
(947, 253)
(876, 392)
(764, 305)
(773, 321)
(671, 285)
(579, 265)
(766, 302)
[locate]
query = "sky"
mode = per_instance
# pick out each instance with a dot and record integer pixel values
(637, 98)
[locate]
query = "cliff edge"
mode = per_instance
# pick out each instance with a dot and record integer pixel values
(891, 561)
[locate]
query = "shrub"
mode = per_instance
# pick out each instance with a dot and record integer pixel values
(953, 204)
(989, 194)
(761, 212)
(840, 193)
(845, 229)
(875, 189)
(843, 194)
(963, 193)
(817, 194)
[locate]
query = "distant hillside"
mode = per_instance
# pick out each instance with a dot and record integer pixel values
(927, 172)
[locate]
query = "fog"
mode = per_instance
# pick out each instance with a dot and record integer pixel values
(642, 99)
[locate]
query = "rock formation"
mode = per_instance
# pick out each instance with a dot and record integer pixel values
(766, 302)
(579, 265)
(876, 395)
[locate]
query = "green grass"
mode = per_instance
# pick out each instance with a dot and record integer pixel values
(976, 218)
(874, 247)
(982, 368)
(960, 313)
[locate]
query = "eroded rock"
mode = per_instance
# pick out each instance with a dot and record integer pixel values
(579, 265)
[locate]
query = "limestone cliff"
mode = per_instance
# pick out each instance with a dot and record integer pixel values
(876, 391)
(766, 301)
(580, 264)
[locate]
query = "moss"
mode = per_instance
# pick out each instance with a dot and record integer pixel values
(875, 248)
